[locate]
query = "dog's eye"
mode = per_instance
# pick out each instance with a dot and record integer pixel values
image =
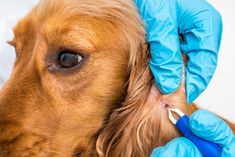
(68, 59)
(78, 155)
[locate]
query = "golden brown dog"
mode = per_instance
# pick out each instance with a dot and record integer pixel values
(81, 85)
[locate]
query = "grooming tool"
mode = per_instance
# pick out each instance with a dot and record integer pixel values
(181, 121)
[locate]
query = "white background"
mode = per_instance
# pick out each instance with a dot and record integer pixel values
(219, 97)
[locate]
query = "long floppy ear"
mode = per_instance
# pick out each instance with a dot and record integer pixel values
(137, 127)
(120, 136)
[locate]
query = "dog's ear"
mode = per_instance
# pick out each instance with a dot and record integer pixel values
(135, 128)
(119, 137)
(138, 125)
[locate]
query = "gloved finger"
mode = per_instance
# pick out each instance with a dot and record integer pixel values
(201, 27)
(210, 127)
(229, 150)
(199, 71)
(162, 35)
(177, 147)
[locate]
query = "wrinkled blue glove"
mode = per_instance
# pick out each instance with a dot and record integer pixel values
(201, 27)
(205, 125)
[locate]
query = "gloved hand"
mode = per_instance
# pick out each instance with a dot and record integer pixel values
(205, 125)
(201, 27)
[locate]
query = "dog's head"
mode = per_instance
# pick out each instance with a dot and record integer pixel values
(77, 62)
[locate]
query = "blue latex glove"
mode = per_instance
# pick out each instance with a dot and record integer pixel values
(201, 27)
(205, 125)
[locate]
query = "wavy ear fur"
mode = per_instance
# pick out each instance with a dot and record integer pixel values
(137, 127)
(140, 124)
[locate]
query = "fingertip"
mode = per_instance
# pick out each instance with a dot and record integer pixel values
(191, 95)
(180, 146)
(169, 149)
(202, 119)
(193, 90)
(167, 80)
(196, 82)
(229, 151)
(156, 152)
(210, 127)
(168, 86)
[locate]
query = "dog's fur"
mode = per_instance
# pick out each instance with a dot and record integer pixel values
(108, 106)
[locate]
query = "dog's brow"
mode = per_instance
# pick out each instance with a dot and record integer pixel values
(81, 39)
(68, 36)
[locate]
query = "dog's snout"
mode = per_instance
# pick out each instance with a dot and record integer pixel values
(11, 114)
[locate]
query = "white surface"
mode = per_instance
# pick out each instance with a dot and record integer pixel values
(219, 97)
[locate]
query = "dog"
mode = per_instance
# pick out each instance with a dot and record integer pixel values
(81, 85)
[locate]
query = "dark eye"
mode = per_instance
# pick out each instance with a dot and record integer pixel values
(69, 59)
(78, 155)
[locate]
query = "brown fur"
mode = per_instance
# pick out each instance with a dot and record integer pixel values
(109, 104)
